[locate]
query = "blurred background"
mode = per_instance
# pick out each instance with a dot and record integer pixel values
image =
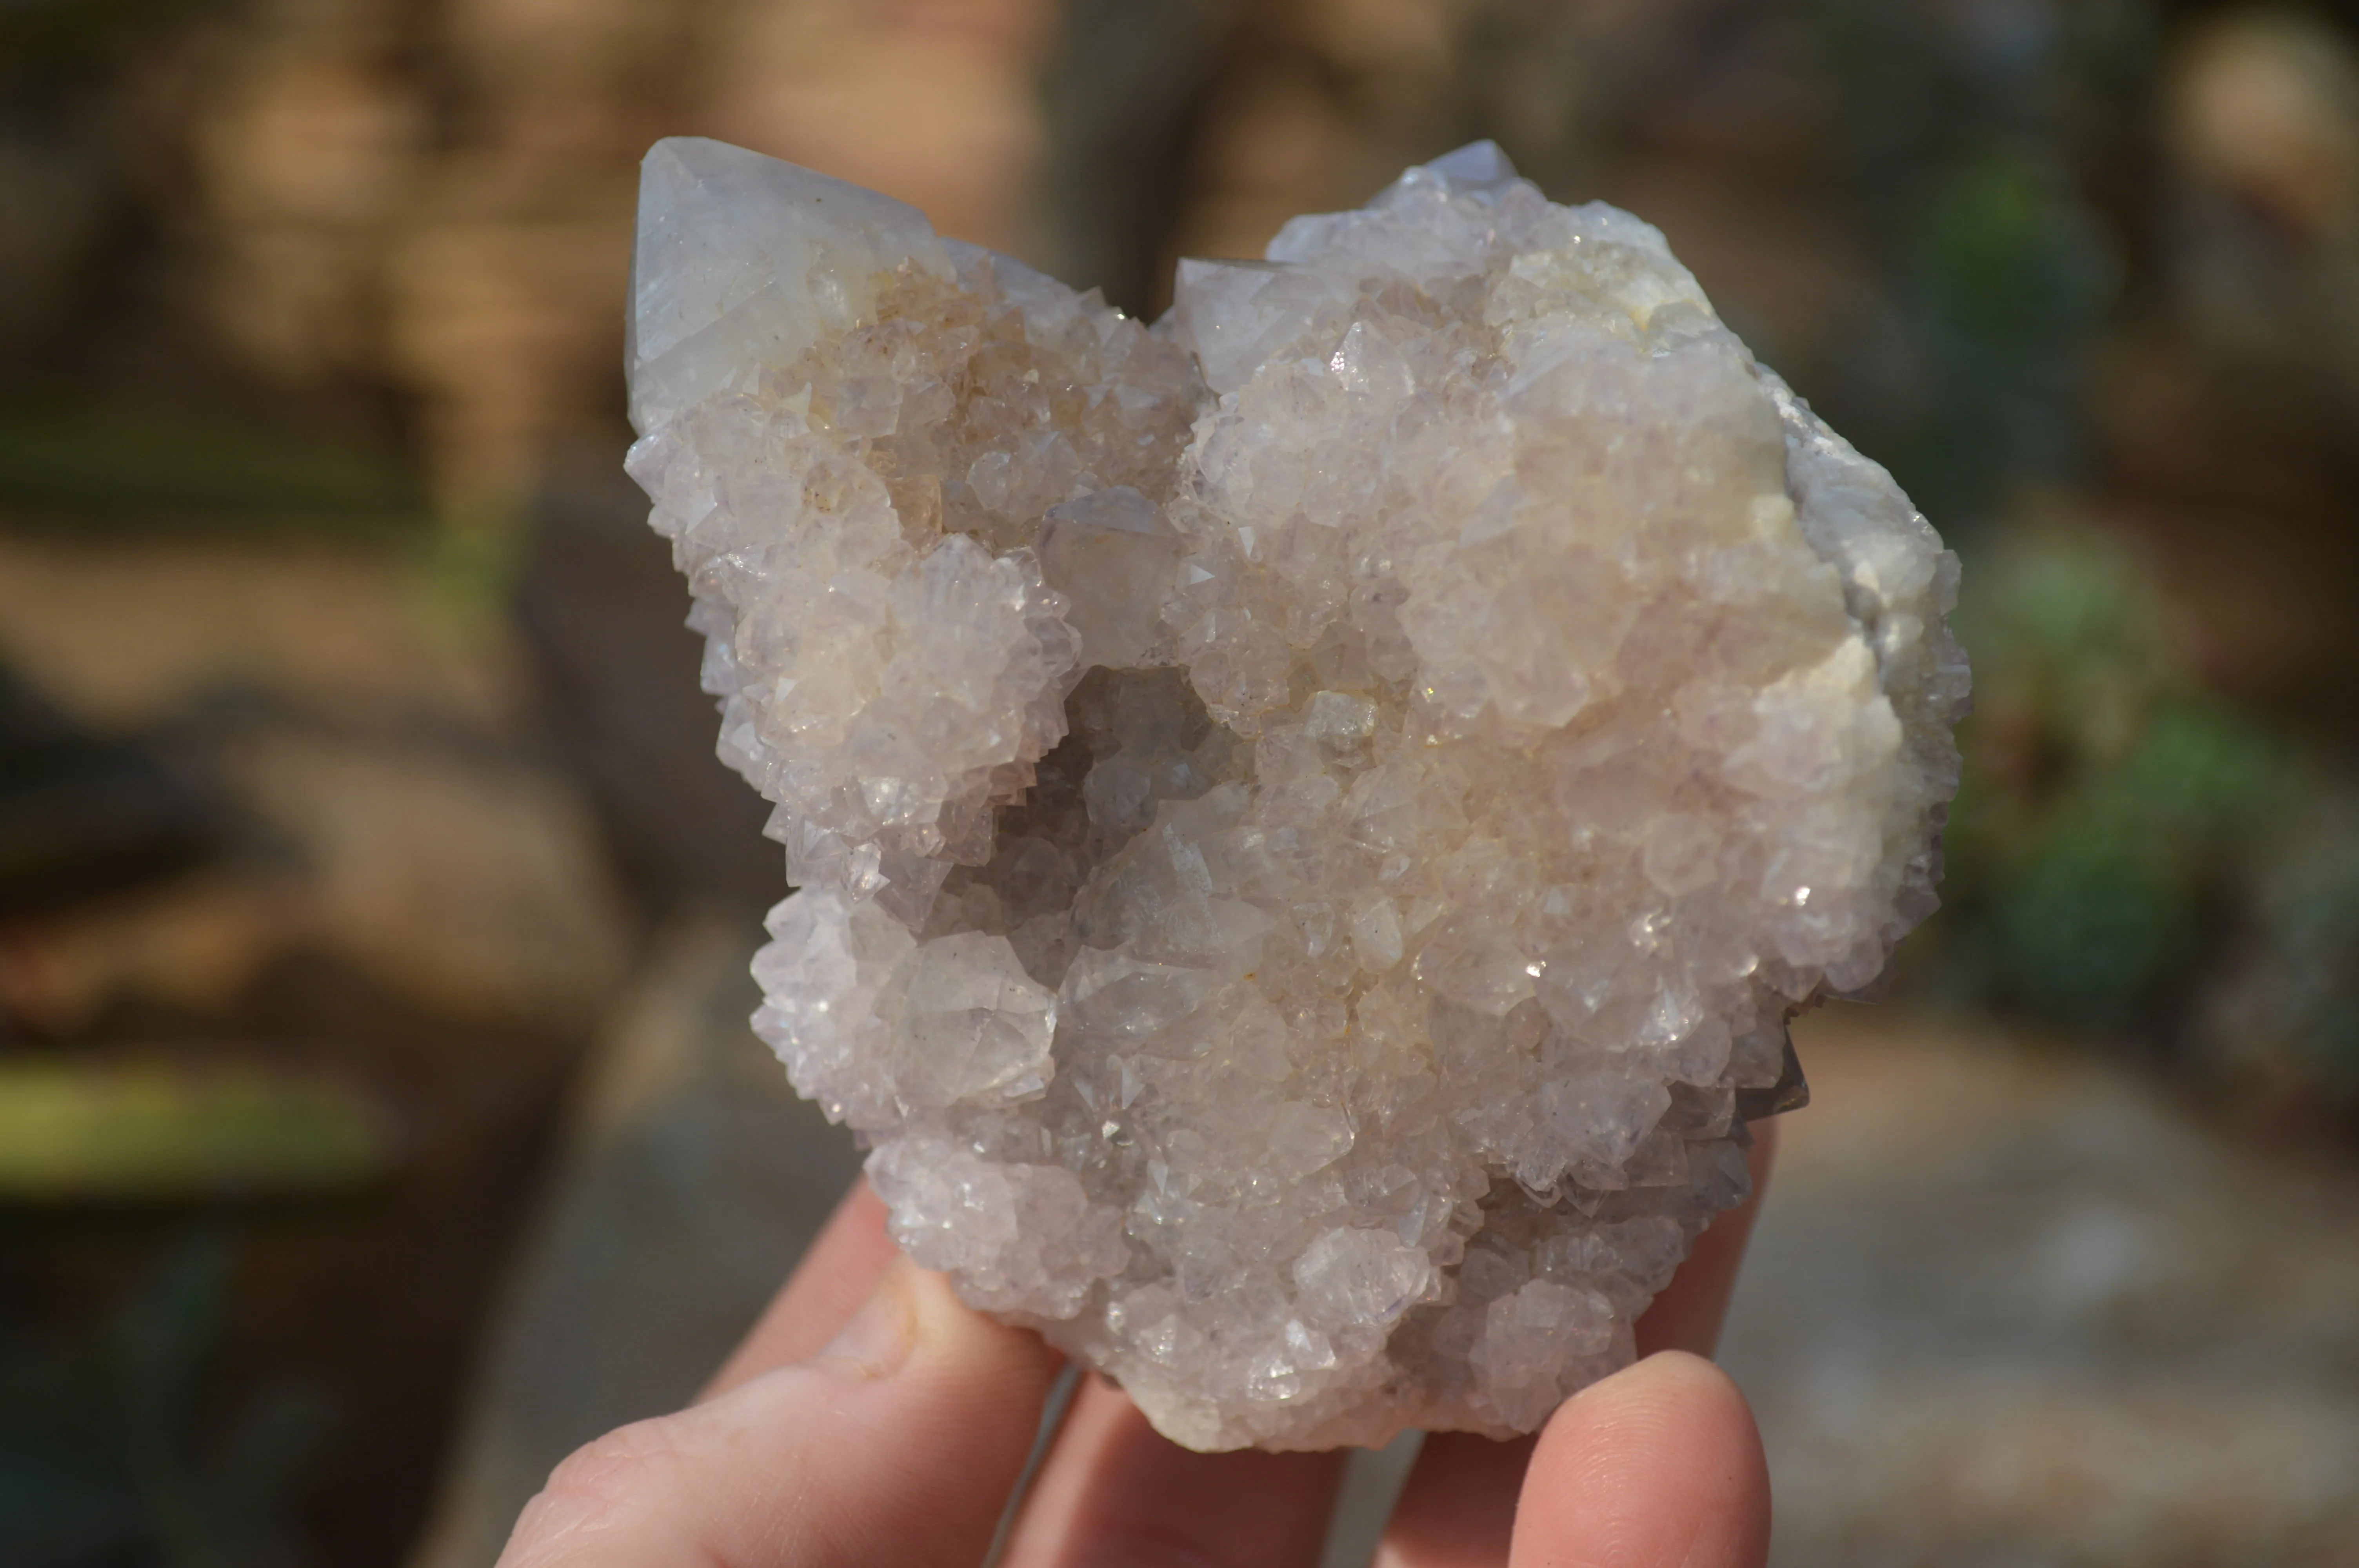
(377, 1114)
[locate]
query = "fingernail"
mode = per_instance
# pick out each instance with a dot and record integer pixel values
(876, 1341)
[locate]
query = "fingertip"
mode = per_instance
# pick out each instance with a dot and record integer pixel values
(897, 1442)
(1669, 1386)
(1659, 1466)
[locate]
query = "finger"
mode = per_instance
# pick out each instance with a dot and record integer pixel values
(1687, 1315)
(1459, 1503)
(842, 1266)
(1115, 1491)
(1458, 1506)
(897, 1443)
(1657, 1466)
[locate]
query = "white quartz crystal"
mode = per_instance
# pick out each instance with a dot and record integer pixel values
(1311, 817)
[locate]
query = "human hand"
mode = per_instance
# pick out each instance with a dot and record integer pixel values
(871, 1421)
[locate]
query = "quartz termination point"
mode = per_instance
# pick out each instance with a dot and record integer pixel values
(1311, 817)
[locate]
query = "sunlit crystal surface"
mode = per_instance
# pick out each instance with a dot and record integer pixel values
(1311, 817)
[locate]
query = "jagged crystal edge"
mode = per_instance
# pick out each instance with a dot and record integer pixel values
(1309, 814)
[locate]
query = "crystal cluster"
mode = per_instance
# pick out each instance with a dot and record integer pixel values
(1311, 817)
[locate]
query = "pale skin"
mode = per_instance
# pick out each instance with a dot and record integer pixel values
(871, 1421)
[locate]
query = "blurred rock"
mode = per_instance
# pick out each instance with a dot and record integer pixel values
(82, 818)
(412, 902)
(2063, 1322)
(125, 632)
(306, 155)
(602, 612)
(392, 821)
(694, 1178)
(2262, 127)
(476, 885)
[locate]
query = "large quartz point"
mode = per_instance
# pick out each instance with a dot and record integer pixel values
(1312, 816)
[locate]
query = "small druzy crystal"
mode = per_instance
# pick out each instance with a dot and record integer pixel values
(1312, 817)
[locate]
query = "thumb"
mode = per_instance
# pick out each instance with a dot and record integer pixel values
(898, 1443)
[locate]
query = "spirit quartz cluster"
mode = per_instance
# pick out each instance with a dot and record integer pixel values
(1311, 817)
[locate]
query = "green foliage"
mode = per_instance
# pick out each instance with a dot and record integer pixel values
(156, 1132)
(2289, 1011)
(2007, 282)
(124, 465)
(2106, 838)
(2110, 893)
(1967, 131)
